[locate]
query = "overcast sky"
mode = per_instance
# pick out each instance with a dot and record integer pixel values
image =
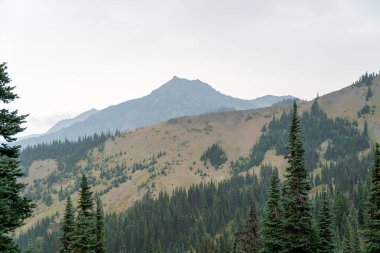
(67, 56)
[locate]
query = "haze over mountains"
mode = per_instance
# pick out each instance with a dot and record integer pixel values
(178, 97)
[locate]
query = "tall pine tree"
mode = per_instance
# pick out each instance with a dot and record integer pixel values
(325, 225)
(296, 216)
(68, 228)
(99, 223)
(85, 237)
(372, 233)
(14, 208)
(272, 225)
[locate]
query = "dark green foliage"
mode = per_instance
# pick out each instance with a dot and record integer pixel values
(248, 238)
(180, 222)
(354, 227)
(325, 225)
(369, 93)
(365, 131)
(347, 237)
(85, 237)
(364, 110)
(99, 226)
(272, 225)
(346, 139)
(296, 216)
(372, 233)
(67, 229)
(365, 80)
(216, 155)
(68, 153)
(14, 208)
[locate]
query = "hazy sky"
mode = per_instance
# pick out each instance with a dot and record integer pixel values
(67, 56)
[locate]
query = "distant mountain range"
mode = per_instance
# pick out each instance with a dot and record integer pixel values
(178, 97)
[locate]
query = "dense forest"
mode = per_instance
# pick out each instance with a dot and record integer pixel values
(209, 217)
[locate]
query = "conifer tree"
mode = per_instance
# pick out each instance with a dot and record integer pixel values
(85, 238)
(99, 219)
(347, 237)
(337, 242)
(271, 232)
(249, 238)
(325, 220)
(296, 216)
(372, 233)
(68, 228)
(14, 208)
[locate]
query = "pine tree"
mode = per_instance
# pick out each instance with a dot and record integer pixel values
(85, 238)
(99, 218)
(372, 233)
(337, 242)
(354, 225)
(296, 216)
(249, 238)
(68, 228)
(325, 220)
(272, 233)
(365, 130)
(14, 208)
(347, 237)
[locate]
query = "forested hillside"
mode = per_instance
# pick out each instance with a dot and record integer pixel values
(195, 178)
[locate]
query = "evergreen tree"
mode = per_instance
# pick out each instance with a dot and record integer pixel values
(14, 208)
(248, 238)
(372, 233)
(347, 237)
(337, 242)
(271, 232)
(325, 220)
(85, 238)
(99, 218)
(68, 228)
(354, 226)
(296, 216)
(365, 131)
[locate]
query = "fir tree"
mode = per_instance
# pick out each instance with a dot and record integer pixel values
(68, 228)
(372, 233)
(325, 220)
(85, 238)
(347, 237)
(272, 233)
(355, 240)
(99, 218)
(337, 242)
(248, 238)
(365, 130)
(296, 216)
(14, 208)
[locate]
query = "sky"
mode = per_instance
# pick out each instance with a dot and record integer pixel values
(66, 57)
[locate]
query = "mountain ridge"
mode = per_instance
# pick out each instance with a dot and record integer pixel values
(177, 97)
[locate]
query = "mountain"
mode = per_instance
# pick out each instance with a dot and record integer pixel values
(178, 97)
(338, 130)
(69, 122)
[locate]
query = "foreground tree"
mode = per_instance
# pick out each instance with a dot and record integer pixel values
(68, 228)
(372, 233)
(296, 216)
(85, 238)
(14, 208)
(325, 225)
(248, 238)
(272, 232)
(99, 226)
